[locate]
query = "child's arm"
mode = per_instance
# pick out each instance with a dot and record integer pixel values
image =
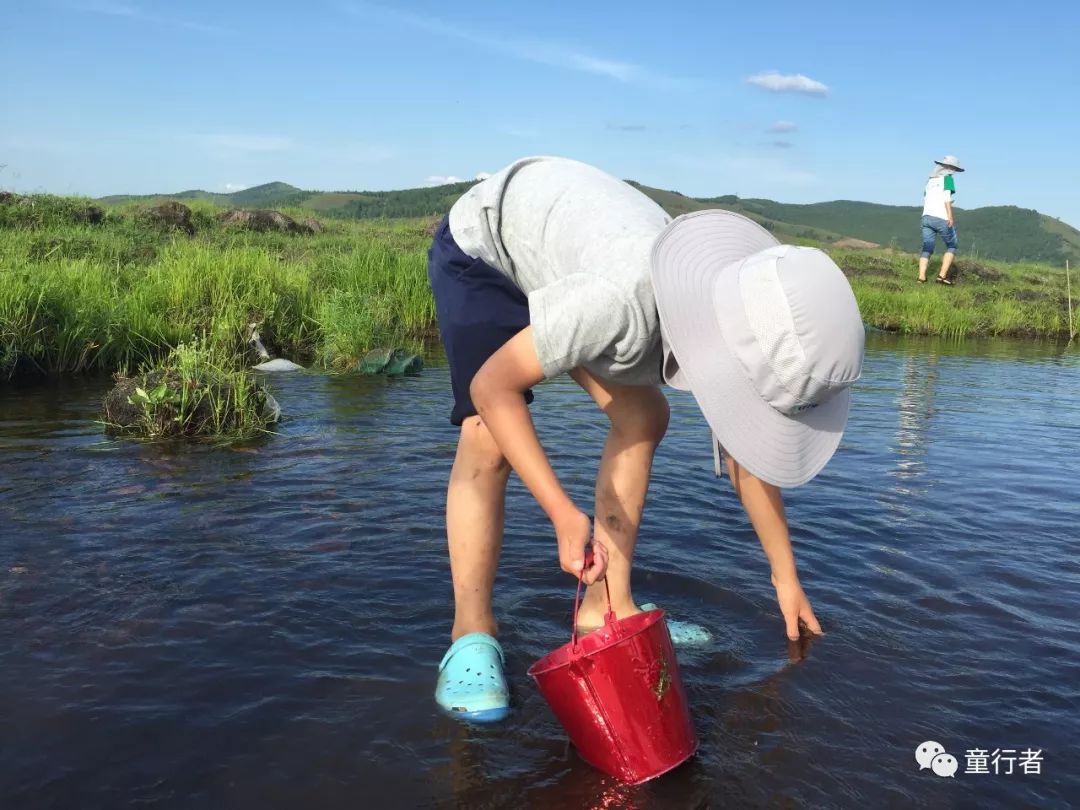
(496, 392)
(764, 504)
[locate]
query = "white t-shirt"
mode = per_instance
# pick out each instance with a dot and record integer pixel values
(939, 190)
(577, 242)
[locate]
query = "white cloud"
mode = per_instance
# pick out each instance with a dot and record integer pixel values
(130, 11)
(235, 186)
(783, 126)
(483, 175)
(441, 180)
(544, 52)
(776, 82)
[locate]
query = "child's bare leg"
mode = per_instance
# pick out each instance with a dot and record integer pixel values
(946, 263)
(639, 418)
(475, 510)
(924, 262)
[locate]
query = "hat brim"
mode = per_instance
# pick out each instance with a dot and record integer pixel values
(948, 166)
(688, 259)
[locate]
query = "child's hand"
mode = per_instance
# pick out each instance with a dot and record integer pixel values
(573, 532)
(795, 607)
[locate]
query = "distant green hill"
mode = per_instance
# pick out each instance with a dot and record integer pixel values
(1005, 233)
(268, 195)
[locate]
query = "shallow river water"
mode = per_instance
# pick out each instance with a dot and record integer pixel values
(258, 627)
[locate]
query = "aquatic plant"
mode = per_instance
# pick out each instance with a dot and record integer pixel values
(190, 394)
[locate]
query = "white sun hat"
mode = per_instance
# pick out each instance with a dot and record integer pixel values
(950, 162)
(767, 337)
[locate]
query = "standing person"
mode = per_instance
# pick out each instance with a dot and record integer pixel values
(937, 216)
(551, 266)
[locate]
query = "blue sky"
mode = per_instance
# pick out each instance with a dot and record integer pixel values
(795, 101)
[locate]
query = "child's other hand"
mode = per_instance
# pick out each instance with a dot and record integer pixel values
(573, 532)
(795, 607)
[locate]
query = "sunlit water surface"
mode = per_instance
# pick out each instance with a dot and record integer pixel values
(259, 627)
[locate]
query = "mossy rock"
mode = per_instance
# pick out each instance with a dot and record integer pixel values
(174, 407)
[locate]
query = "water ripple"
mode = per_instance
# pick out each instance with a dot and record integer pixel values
(260, 626)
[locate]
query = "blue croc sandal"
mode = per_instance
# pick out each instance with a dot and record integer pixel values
(684, 634)
(471, 682)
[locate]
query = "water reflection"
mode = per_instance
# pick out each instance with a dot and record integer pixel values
(915, 410)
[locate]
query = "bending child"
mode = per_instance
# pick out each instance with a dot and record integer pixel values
(552, 266)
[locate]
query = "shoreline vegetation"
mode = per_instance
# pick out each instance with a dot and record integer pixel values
(91, 289)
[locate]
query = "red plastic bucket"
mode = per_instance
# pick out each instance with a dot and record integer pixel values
(618, 695)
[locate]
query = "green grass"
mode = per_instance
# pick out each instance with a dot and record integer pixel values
(192, 393)
(987, 298)
(79, 297)
(1003, 233)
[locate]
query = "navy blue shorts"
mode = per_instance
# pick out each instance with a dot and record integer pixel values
(479, 309)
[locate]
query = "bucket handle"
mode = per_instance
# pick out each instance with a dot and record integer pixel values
(609, 617)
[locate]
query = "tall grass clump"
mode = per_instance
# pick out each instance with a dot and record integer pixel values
(193, 394)
(376, 296)
(123, 292)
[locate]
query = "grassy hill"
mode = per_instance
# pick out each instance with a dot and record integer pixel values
(1004, 233)
(268, 195)
(412, 202)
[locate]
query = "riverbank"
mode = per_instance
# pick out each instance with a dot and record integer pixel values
(987, 299)
(83, 295)
(90, 289)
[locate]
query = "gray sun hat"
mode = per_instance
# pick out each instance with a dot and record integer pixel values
(767, 337)
(950, 162)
